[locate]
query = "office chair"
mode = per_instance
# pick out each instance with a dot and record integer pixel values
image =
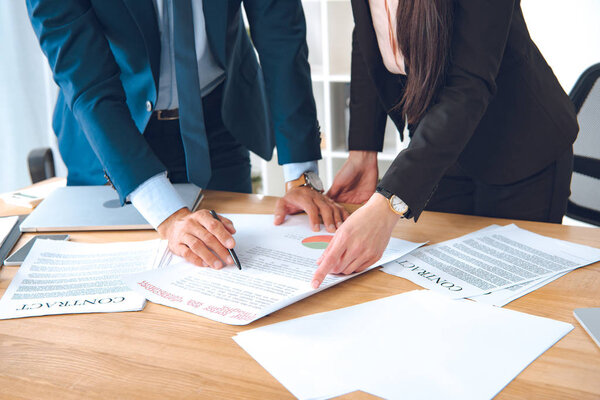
(41, 164)
(584, 202)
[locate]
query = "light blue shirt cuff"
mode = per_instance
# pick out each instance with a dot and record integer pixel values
(156, 199)
(293, 171)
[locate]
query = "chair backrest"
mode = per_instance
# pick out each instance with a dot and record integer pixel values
(584, 203)
(41, 164)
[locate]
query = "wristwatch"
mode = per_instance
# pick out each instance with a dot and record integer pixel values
(309, 179)
(396, 204)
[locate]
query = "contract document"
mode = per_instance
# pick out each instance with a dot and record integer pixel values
(505, 258)
(66, 278)
(278, 263)
(413, 346)
(502, 297)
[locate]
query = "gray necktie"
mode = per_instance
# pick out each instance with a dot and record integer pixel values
(191, 114)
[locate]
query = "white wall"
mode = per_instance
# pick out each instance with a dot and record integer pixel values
(27, 95)
(567, 32)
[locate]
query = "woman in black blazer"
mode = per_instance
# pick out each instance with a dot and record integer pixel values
(491, 128)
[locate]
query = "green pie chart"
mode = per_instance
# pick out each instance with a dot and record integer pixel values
(317, 242)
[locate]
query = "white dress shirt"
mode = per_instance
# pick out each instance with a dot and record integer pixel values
(156, 199)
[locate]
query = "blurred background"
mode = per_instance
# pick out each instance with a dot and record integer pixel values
(567, 33)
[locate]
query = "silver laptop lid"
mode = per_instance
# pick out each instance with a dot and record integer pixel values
(93, 208)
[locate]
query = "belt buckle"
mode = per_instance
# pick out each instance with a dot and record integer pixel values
(167, 115)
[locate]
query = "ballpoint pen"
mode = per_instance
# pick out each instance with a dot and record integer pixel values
(231, 251)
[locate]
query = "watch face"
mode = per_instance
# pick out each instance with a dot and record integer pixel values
(314, 181)
(398, 204)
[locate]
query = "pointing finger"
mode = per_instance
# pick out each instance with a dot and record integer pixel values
(328, 263)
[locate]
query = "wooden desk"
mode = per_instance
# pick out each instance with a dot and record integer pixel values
(163, 353)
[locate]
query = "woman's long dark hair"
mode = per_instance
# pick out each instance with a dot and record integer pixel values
(424, 32)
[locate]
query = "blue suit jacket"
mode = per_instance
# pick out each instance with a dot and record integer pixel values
(105, 54)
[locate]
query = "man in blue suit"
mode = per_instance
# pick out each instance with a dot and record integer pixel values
(160, 91)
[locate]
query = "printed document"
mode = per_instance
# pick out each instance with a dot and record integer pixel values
(502, 297)
(490, 260)
(278, 263)
(67, 277)
(415, 345)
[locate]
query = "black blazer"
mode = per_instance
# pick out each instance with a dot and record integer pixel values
(501, 113)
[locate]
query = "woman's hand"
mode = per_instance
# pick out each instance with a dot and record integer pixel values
(359, 242)
(199, 238)
(356, 180)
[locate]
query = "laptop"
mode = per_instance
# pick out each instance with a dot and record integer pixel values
(94, 208)
(589, 318)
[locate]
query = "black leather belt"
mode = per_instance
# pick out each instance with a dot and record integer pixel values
(167, 115)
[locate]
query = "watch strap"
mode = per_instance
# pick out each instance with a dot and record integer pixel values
(309, 179)
(388, 195)
(384, 193)
(301, 181)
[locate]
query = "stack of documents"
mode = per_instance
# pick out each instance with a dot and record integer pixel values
(416, 345)
(32, 196)
(69, 278)
(495, 265)
(278, 263)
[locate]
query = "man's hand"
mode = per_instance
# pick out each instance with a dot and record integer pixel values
(360, 242)
(199, 238)
(357, 179)
(304, 198)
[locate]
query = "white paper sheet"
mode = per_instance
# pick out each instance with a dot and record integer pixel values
(491, 260)
(416, 345)
(502, 297)
(277, 271)
(6, 225)
(67, 277)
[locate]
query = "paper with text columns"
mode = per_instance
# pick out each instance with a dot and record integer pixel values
(490, 260)
(70, 278)
(278, 263)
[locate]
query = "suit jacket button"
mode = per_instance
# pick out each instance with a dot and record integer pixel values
(108, 180)
(148, 105)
